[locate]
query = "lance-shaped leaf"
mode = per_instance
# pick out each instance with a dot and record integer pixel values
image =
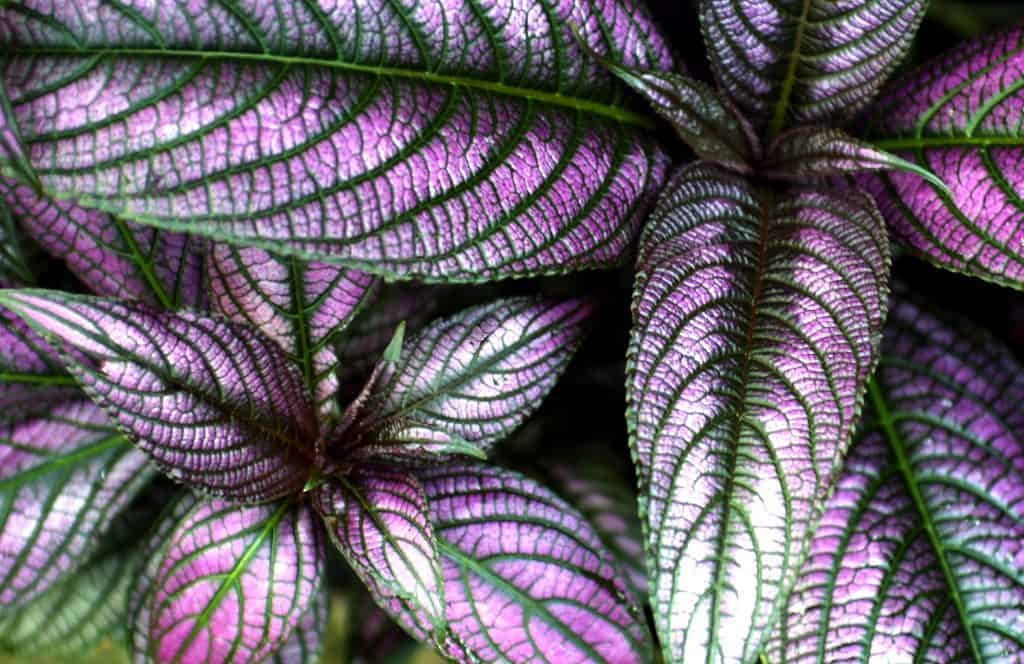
(63, 478)
(12, 152)
(69, 620)
(111, 256)
(216, 404)
(226, 582)
(14, 269)
(446, 140)
(756, 322)
(466, 381)
(611, 508)
(301, 306)
(791, 62)
(920, 554)
(526, 577)
(807, 152)
(958, 116)
(32, 376)
(378, 519)
(307, 640)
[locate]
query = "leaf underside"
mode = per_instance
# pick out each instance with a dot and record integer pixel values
(442, 141)
(958, 116)
(920, 554)
(756, 321)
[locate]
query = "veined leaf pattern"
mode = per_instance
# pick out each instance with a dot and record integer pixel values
(466, 381)
(302, 306)
(306, 643)
(14, 269)
(920, 554)
(379, 520)
(32, 375)
(526, 577)
(226, 582)
(791, 62)
(756, 323)
(216, 404)
(958, 116)
(454, 141)
(64, 476)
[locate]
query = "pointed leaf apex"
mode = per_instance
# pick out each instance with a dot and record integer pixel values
(394, 348)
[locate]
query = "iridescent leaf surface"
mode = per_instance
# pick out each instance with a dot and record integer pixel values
(111, 256)
(301, 306)
(611, 508)
(791, 62)
(63, 478)
(958, 116)
(69, 620)
(307, 639)
(756, 322)
(216, 404)
(920, 554)
(32, 375)
(227, 583)
(526, 577)
(451, 140)
(378, 519)
(468, 380)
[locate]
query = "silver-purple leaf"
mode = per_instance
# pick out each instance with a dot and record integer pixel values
(920, 554)
(526, 577)
(756, 322)
(378, 519)
(302, 306)
(465, 382)
(792, 62)
(226, 582)
(64, 476)
(958, 116)
(32, 375)
(611, 508)
(111, 256)
(448, 141)
(306, 642)
(809, 152)
(216, 404)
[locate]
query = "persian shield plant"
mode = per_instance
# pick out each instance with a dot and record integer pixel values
(229, 371)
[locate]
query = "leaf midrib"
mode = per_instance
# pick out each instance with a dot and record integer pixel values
(898, 447)
(789, 80)
(609, 111)
(57, 462)
(926, 142)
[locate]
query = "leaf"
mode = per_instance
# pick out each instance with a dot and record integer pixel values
(379, 521)
(70, 619)
(920, 553)
(959, 116)
(306, 642)
(301, 306)
(227, 582)
(445, 141)
(12, 151)
(64, 476)
(807, 152)
(611, 508)
(14, 269)
(756, 320)
(793, 62)
(467, 381)
(111, 256)
(706, 121)
(234, 418)
(32, 376)
(526, 577)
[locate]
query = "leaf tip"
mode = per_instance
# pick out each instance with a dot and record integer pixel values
(394, 347)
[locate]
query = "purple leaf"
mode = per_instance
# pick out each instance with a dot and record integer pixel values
(378, 519)
(807, 152)
(111, 256)
(12, 150)
(467, 381)
(14, 269)
(32, 376)
(225, 582)
(306, 641)
(64, 476)
(958, 116)
(920, 554)
(69, 620)
(447, 140)
(526, 577)
(234, 418)
(756, 321)
(789, 62)
(611, 508)
(301, 306)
